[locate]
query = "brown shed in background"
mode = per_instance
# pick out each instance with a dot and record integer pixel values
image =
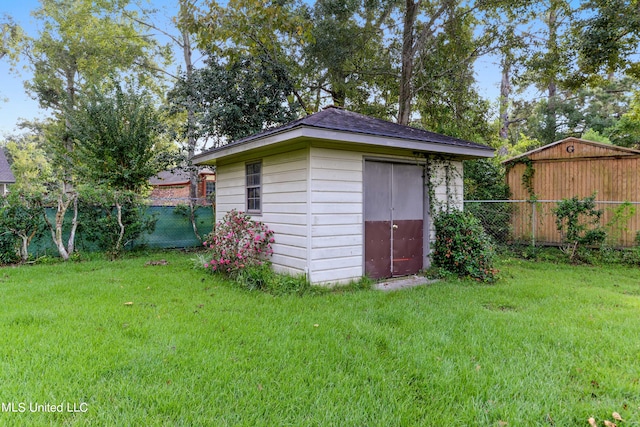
(575, 167)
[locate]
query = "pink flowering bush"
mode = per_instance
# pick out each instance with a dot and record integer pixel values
(238, 243)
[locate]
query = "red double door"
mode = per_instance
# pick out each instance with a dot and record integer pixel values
(394, 212)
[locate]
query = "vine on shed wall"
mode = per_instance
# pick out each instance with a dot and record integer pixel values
(433, 179)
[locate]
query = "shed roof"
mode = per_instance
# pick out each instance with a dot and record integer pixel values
(338, 124)
(604, 150)
(6, 176)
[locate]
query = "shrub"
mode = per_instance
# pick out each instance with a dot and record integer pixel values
(238, 243)
(113, 221)
(21, 221)
(462, 247)
(578, 221)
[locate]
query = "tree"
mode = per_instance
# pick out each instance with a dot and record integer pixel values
(607, 39)
(275, 31)
(626, 131)
(511, 23)
(443, 82)
(180, 36)
(21, 216)
(29, 163)
(11, 35)
(549, 64)
(423, 22)
(117, 149)
(80, 44)
(117, 139)
(239, 98)
(348, 57)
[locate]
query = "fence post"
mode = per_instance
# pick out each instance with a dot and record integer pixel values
(533, 223)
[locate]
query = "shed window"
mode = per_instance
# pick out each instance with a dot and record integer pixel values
(254, 187)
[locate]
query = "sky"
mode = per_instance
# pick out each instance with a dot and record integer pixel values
(16, 105)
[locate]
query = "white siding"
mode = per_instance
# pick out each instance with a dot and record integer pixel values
(230, 189)
(313, 200)
(453, 196)
(336, 216)
(455, 183)
(284, 204)
(284, 208)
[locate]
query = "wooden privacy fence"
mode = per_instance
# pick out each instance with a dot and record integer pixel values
(534, 222)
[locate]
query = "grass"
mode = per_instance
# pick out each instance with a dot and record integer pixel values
(547, 345)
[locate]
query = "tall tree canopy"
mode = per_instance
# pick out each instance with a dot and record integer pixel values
(236, 99)
(117, 138)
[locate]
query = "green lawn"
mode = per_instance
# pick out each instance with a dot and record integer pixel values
(547, 345)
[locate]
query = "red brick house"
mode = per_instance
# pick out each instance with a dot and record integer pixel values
(171, 188)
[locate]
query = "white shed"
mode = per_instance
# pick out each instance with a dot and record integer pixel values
(346, 195)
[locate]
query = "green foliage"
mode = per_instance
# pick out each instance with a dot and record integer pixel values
(485, 180)
(182, 210)
(117, 139)
(238, 98)
(626, 131)
(607, 38)
(619, 222)
(82, 44)
(594, 135)
(21, 220)
(523, 144)
(29, 163)
(238, 243)
(462, 247)
(578, 221)
(446, 98)
(8, 251)
(527, 175)
(113, 220)
(347, 56)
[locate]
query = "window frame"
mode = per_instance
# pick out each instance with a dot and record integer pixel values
(251, 200)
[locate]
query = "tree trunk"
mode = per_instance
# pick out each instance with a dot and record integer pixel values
(56, 229)
(194, 224)
(191, 136)
(552, 49)
(120, 224)
(406, 73)
(505, 93)
(71, 244)
(24, 248)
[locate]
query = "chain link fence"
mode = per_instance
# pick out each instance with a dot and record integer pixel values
(533, 223)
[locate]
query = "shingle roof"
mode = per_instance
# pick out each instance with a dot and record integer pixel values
(338, 119)
(175, 176)
(6, 176)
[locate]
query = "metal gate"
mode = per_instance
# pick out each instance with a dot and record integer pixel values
(394, 219)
